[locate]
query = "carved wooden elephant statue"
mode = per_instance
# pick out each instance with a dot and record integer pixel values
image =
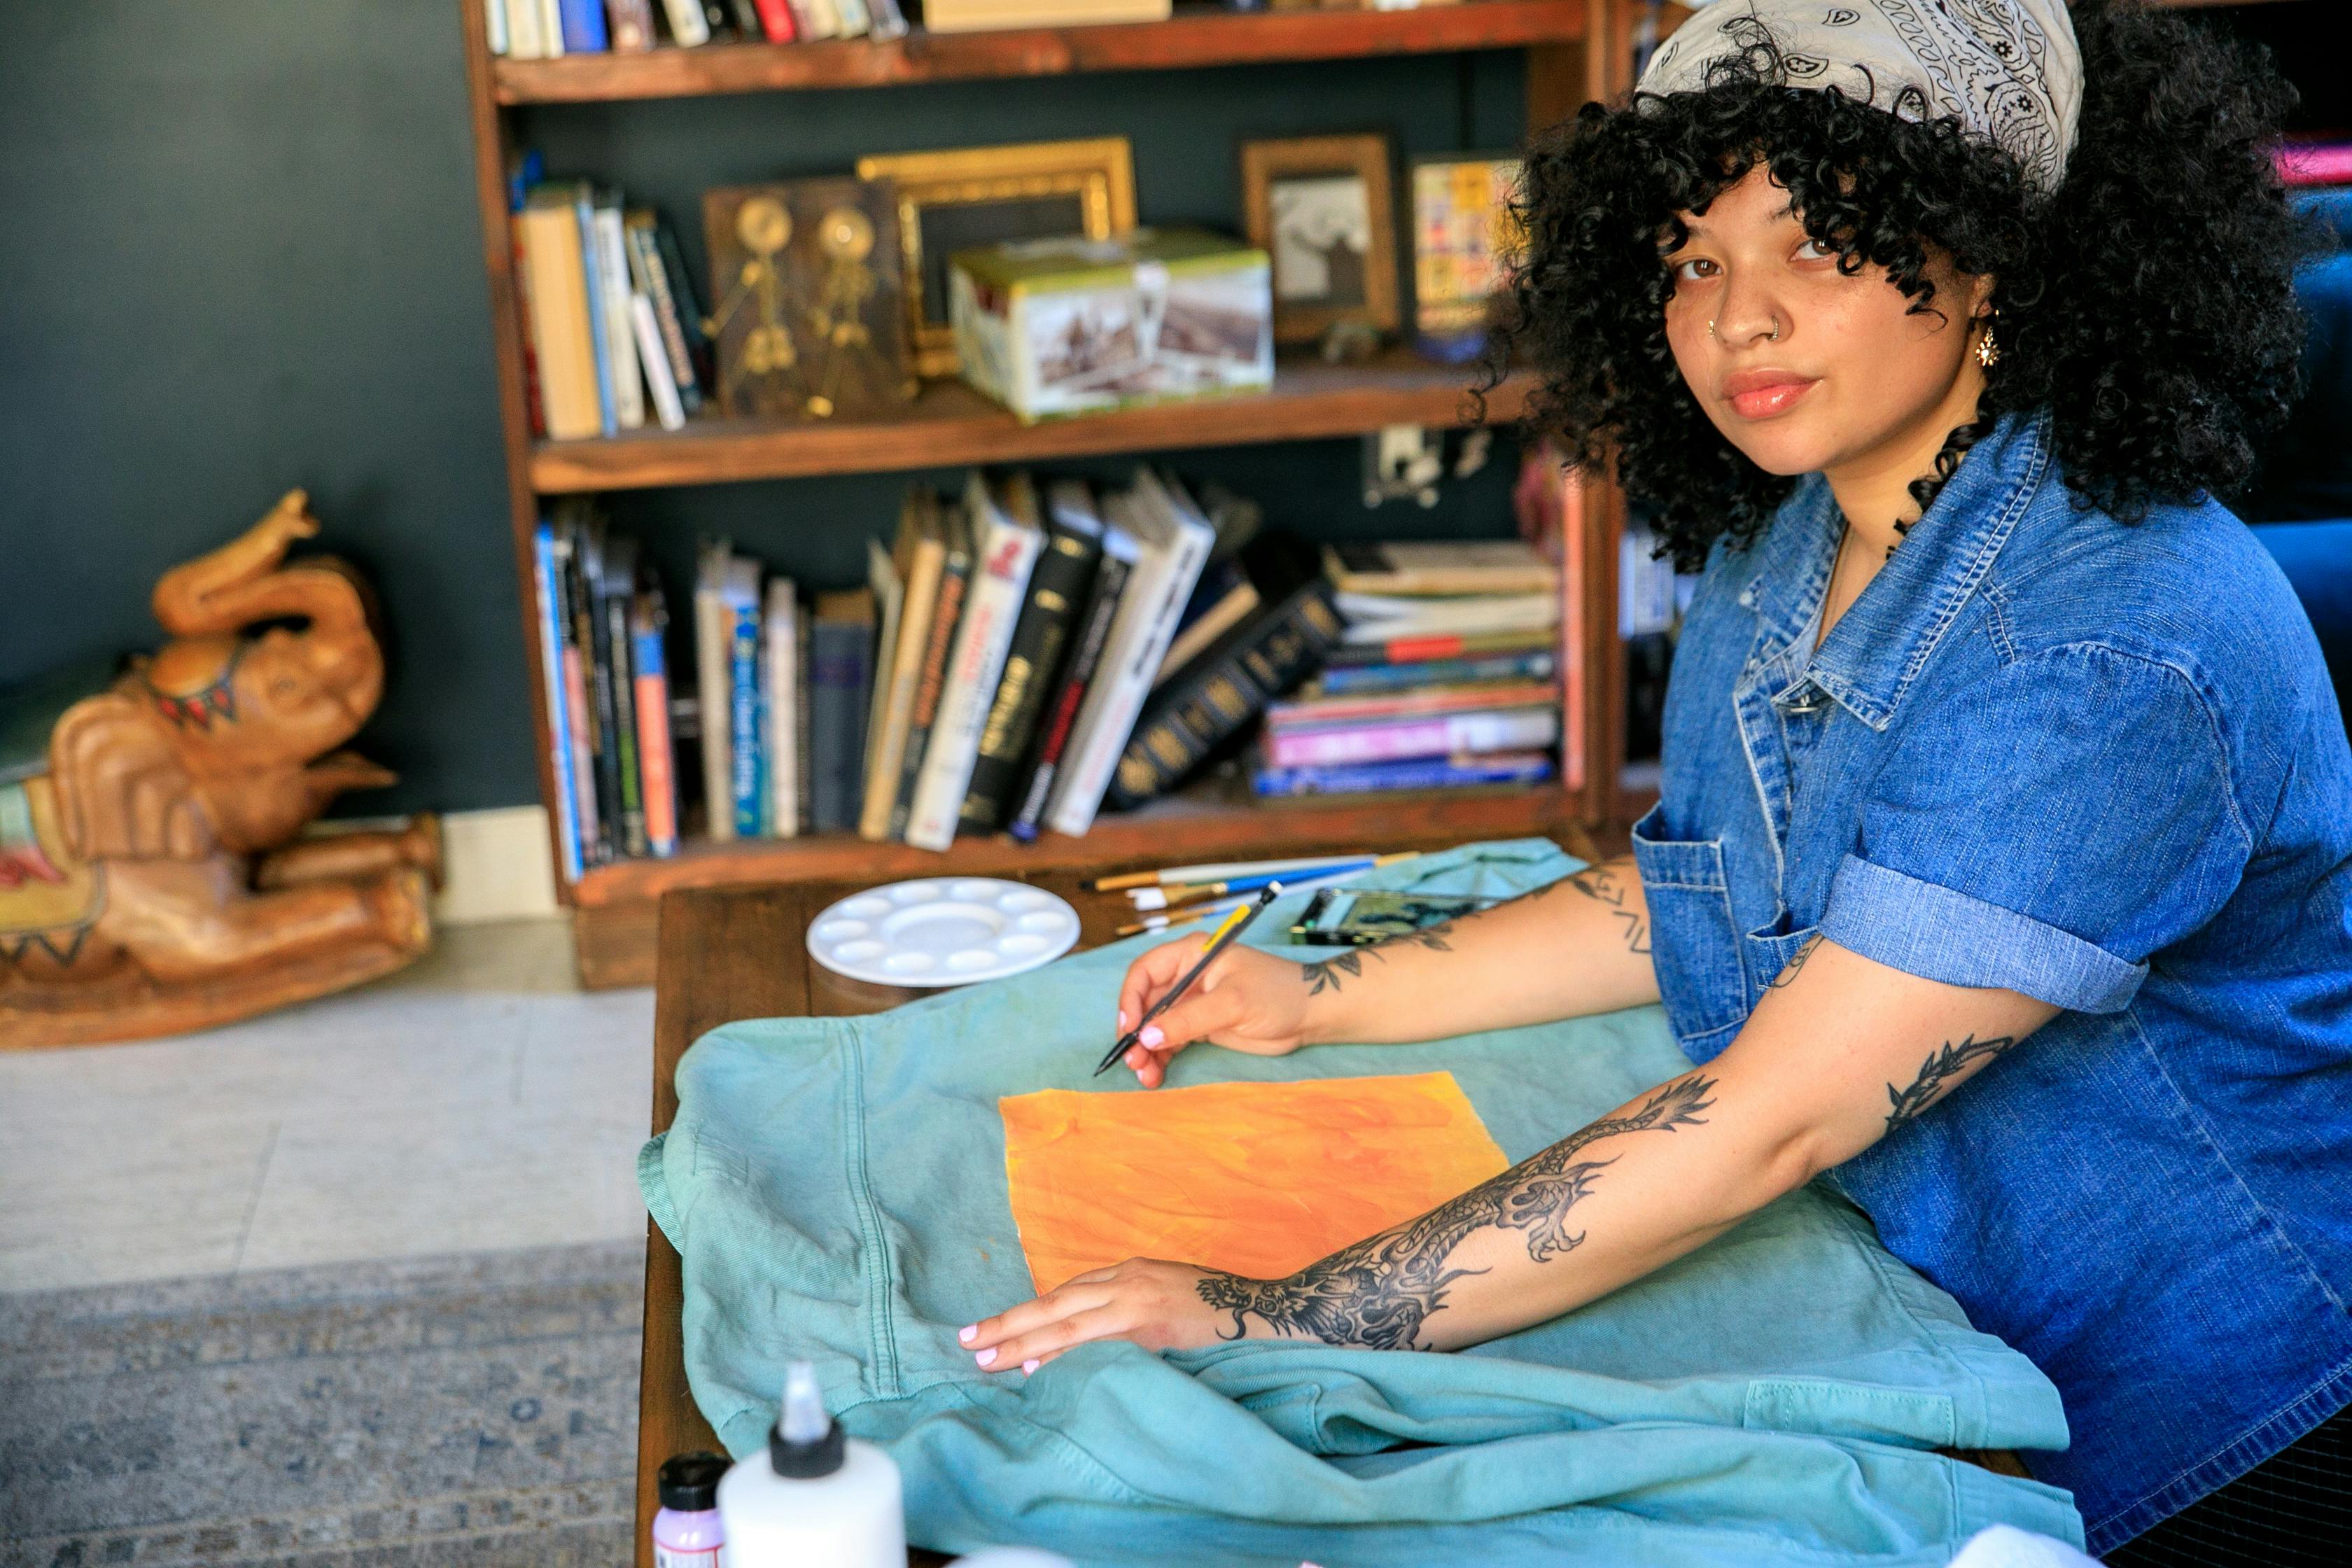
(152, 875)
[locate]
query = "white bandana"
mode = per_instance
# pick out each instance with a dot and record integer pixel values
(2009, 71)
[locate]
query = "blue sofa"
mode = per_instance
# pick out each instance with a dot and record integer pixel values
(2303, 508)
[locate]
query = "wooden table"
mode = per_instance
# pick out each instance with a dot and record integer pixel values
(727, 953)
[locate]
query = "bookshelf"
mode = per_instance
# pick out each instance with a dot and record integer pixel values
(1574, 50)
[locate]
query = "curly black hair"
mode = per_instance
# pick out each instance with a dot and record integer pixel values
(2148, 300)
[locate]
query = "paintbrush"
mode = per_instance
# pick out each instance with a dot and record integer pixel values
(1227, 934)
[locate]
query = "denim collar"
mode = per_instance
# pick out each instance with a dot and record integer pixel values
(1884, 639)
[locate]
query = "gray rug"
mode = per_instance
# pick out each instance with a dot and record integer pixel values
(472, 1411)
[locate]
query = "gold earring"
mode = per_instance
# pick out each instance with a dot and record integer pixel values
(1988, 351)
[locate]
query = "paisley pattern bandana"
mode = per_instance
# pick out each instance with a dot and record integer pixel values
(2009, 71)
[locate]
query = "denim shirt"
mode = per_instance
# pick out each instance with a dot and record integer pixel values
(2100, 765)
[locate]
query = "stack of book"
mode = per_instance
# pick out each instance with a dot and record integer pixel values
(602, 620)
(1447, 675)
(611, 331)
(548, 29)
(1019, 658)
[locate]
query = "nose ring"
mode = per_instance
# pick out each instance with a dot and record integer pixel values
(1776, 327)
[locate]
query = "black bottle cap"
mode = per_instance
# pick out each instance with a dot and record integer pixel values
(689, 1482)
(806, 1461)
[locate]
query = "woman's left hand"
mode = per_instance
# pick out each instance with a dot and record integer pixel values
(1157, 1305)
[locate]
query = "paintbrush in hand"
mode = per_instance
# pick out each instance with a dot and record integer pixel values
(1227, 934)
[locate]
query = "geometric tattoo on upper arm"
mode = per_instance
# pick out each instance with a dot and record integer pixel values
(1378, 1293)
(1936, 1075)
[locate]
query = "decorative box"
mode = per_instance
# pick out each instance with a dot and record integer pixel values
(1052, 326)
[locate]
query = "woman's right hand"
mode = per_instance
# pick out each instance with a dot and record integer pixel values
(1246, 1001)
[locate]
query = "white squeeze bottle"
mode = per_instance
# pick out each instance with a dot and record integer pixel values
(815, 1498)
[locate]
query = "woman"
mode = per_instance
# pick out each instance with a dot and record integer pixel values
(2002, 870)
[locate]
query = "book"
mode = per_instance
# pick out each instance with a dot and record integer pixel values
(939, 639)
(1308, 712)
(494, 27)
(583, 27)
(600, 315)
(890, 20)
(747, 777)
(596, 634)
(714, 685)
(1173, 543)
(686, 28)
(523, 39)
(1380, 617)
(773, 18)
(654, 361)
(1425, 772)
(719, 20)
(1533, 664)
(1443, 645)
(982, 16)
(889, 592)
(1112, 568)
(1041, 640)
(632, 30)
(780, 690)
(1443, 566)
(650, 278)
(648, 624)
(920, 560)
(1191, 717)
(1224, 597)
(558, 727)
(620, 324)
(579, 712)
(562, 336)
(1005, 538)
(617, 591)
(1439, 735)
(815, 19)
(550, 29)
(689, 304)
(840, 690)
(855, 22)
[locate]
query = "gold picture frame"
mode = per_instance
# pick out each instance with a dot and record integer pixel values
(1342, 226)
(980, 195)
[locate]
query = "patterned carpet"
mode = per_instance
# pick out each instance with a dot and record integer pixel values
(473, 1411)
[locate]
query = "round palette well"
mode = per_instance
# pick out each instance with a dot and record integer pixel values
(942, 930)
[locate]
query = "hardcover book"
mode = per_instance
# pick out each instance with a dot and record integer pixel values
(840, 683)
(919, 561)
(1214, 697)
(939, 639)
(780, 686)
(648, 623)
(1057, 591)
(559, 728)
(714, 682)
(1504, 730)
(1427, 773)
(1005, 541)
(1060, 717)
(617, 588)
(1442, 566)
(563, 333)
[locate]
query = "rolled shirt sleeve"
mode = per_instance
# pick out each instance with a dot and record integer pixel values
(2046, 832)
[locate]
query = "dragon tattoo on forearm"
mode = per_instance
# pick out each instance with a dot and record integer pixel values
(1380, 1293)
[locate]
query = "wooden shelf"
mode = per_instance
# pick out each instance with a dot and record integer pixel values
(950, 424)
(1196, 35)
(616, 907)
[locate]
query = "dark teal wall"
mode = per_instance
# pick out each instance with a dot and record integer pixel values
(241, 253)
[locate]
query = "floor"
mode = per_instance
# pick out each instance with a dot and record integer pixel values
(477, 1102)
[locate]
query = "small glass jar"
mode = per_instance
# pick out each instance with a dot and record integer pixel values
(686, 1532)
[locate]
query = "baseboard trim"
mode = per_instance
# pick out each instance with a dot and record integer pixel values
(498, 866)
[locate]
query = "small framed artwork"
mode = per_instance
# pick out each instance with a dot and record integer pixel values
(1322, 206)
(973, 196)
(808, 313)
(1463, 236)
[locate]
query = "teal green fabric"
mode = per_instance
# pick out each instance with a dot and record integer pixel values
(836, 1190)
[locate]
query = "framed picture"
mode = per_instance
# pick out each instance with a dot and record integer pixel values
(983, 195)
(1463, 239)
(808, 317)
(1322, 208)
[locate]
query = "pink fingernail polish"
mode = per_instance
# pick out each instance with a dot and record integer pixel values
(970, 1334)
(1122, 1020)
(1029, 1367)
(1151, 1037)
(986, 1357)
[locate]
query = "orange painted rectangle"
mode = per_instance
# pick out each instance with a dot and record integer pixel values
(1258, 1179)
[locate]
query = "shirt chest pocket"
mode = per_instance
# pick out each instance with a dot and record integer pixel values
(1694, 941)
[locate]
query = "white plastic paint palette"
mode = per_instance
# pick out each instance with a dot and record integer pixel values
(943, 931)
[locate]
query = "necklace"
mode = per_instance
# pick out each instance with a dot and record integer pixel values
(1828, 589)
